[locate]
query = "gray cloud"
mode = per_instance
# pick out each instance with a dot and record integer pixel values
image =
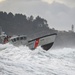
(70, 3)
(59, 16)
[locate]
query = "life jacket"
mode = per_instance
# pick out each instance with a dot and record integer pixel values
(5, 40)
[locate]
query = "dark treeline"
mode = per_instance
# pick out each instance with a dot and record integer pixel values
(21, 24)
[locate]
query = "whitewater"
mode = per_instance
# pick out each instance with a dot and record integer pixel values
(23, 61)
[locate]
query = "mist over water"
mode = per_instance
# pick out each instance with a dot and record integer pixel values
(23, 61)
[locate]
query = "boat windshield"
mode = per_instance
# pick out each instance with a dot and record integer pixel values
(18, 38)
(13, 40)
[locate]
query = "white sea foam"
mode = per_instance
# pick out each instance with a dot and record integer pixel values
(23, 61)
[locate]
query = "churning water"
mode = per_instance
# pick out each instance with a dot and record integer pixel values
(23, 61)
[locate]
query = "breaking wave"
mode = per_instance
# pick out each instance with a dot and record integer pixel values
(23, 61)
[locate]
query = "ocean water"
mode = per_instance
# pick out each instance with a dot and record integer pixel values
(23, 61)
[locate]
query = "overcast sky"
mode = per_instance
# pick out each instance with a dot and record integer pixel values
(60, 14)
